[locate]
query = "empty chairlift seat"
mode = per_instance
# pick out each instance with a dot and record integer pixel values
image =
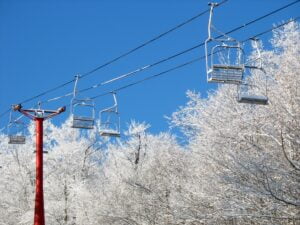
(16, 130)
(83, 113)
(252, 94)
(225, 65)
(109, 132)
(110, 120)
(226, 74)
(16, 139)
(82, 110)
(253, 99)
(83, 122)
(224, 55)
(248, 92)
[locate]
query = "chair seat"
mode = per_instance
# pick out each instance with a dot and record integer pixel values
(226, 74)
(253, 99)
(109, 133)
(228, 67)
(16, 140)
(83, 118)
(84, 124)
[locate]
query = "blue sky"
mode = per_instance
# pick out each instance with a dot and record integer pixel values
(45, 43)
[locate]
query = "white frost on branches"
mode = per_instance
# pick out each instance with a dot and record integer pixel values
(241, 164)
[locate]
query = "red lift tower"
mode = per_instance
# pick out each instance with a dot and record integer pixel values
(39, 115)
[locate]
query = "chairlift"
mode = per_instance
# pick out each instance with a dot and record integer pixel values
(225, 59)
(82, 111)
(16, 129)
(110, 120)
(248, 92)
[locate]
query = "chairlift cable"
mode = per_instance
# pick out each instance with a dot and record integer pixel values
(187, 63)
(150, 41)
(176, 55)
(166, 59)
(179, 66)
(119, 57)
(148, 78)
(101, 84)
(262, 17)
(274, 28)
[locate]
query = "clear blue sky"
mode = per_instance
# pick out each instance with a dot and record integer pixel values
(45, 43)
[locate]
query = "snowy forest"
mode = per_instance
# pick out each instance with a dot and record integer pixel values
(239, 164)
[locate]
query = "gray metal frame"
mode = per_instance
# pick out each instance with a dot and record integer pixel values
(83, 122)
(78, 121)
(255, 64)
(245, 97)
(18, 137)
(223, 73)
(109, 128)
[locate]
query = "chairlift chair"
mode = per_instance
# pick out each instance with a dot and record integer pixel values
(247, 92)
(110, 120)
(16, 129)
(16, 139)
(82, 110)
(83, 113)
(226, 71)
(225, 60)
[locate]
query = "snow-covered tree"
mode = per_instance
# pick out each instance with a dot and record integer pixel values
(251, 152)
(241, 163)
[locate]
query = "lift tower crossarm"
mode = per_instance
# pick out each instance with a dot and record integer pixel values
(39, 115)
